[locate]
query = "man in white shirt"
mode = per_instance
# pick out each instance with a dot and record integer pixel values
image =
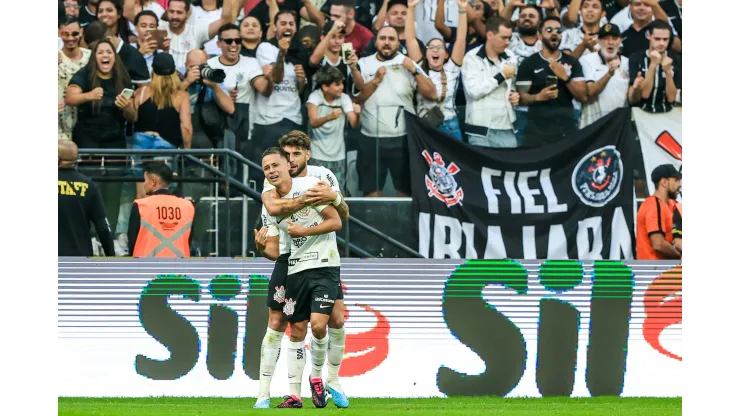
(239, 70)
(277, 104)
(312, 282)
(607, 76)
(488, 73)
(391, 80)
(185, 36)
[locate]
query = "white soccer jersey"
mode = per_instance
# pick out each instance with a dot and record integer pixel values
(239, 76)
(306, 252)
(318, 172)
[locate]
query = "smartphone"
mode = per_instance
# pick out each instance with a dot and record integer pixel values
(533, 2)
(127, 92)
(160, 35)
(552, 80)
(346, 51)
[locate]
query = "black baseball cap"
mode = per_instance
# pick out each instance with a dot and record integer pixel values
(665, 171)
(163, 64)
(609, 30)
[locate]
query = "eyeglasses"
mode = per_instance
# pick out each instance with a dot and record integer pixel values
(73, 34)
(436, 48)
(554, 29)
(229, 41)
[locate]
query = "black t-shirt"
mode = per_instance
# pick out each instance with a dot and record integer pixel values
(85, 16)
(103, 129)
(80, 203)
(251, 53)
(657, 102)
(634, 41)
(349, 83)
(677, 230)
(674, 12)
(134, 63)
(534, 70)
(262, 12)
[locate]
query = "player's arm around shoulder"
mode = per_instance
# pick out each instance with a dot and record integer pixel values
(281, 207)
(331, 223)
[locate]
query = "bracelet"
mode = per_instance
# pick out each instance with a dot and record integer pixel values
(338, 200)
(461, 11)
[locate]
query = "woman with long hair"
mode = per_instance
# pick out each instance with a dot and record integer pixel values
(97, 90)
(163, 118)
(443, 69)
(110, 12)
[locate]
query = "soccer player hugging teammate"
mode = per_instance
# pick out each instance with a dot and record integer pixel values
(306, 276)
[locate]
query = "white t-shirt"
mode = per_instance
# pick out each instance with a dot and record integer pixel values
(156, 8)
(425, 13)
(312, 252)
(285, 101)
(193, 37)
(572, 38)
(327, 141)
(521, 49)
(382, 115)
(199, 16)
(452, 73)
(239, 76)
(614, 94)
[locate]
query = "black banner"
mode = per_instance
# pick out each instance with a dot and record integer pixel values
(568, 200)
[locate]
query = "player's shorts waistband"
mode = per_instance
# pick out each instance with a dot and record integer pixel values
(283, 258)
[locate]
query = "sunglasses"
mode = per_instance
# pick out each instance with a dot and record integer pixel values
(554, 29)
(230, 41)
(73, 34)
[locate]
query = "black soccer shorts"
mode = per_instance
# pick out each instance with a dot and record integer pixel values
(276, 288)
(311, 291)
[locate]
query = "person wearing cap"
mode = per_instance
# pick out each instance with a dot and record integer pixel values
(655, 217)
(163, 119)
(79, 203)
(607, 77)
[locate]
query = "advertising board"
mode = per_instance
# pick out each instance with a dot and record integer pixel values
(415, 328)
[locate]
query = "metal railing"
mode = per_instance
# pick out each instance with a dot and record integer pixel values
(181, 155)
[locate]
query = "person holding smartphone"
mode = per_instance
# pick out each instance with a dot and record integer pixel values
(548, 82)
(97, 92)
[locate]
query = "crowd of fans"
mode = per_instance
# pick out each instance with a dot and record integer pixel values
(156, 74)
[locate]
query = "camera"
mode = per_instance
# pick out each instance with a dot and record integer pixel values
(214, 75)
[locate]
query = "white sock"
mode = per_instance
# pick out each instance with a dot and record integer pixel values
(268, 360)
(318, 356)
(296, 364)
(335, 353)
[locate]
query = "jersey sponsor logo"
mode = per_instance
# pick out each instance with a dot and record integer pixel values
(314, 255)
(289, 307)
(324, 300)
(537, 71)
(597, 177)
(440, 180)
(331, 181)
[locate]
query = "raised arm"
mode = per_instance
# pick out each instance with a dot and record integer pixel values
(439, 21)
(314, 14)
(380, 17)
(226, 17)
(412, 45)
(458, 49)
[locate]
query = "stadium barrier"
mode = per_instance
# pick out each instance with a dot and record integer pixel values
(416, 328)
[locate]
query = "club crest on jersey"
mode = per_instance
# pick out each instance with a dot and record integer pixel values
(289, 307)
(568, 69)
(598, 176)
(279, 294)
(440, 180)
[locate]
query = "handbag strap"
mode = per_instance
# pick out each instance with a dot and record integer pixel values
(444, 86)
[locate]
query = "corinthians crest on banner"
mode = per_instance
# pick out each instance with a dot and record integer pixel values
(567, 200)
(440, 180)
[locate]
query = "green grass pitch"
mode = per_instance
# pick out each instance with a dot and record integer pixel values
(464, 406)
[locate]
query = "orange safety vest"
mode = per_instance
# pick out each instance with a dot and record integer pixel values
(166, 223)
